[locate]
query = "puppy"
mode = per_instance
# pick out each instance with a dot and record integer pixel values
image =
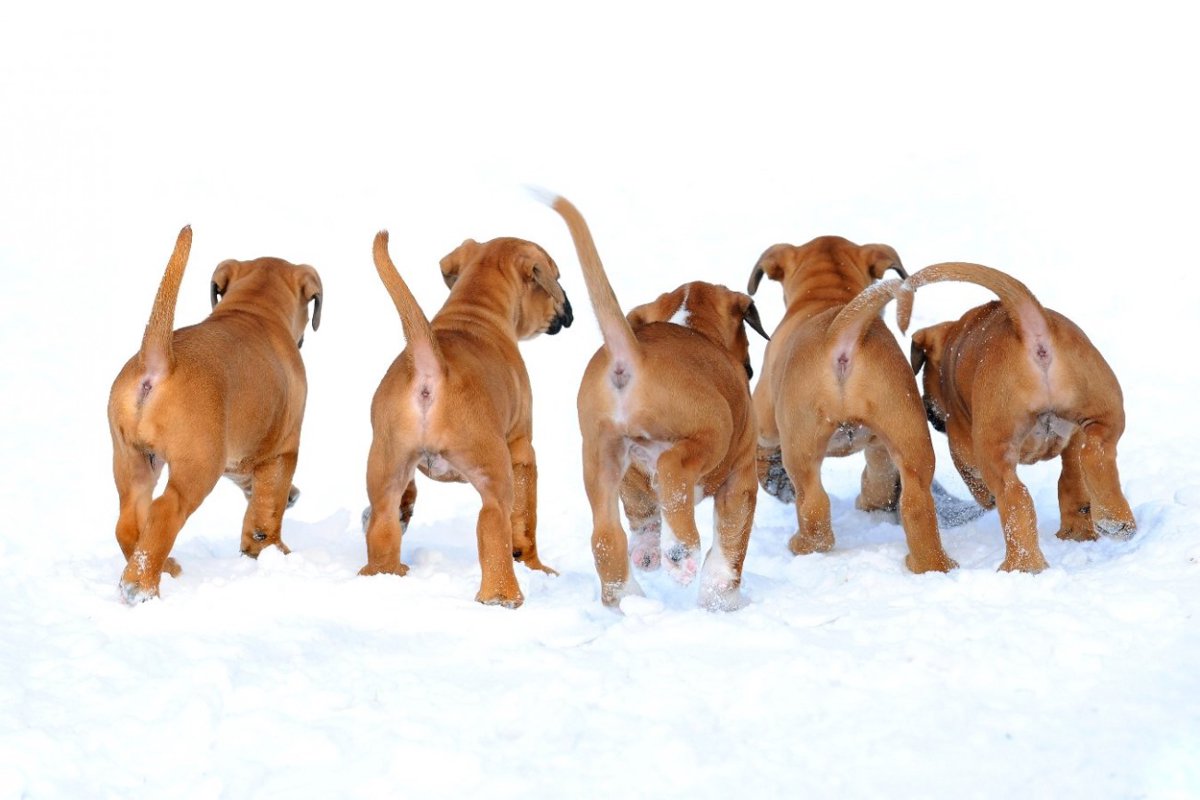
(456, 404)
(665, 415)
(835, 382)
(224, 397)
(1012, 382)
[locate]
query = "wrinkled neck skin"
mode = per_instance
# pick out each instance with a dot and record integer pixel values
(478, 298)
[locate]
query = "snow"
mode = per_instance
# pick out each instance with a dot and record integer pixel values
(1051, 142)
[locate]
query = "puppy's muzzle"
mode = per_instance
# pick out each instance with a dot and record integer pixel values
(564, 318)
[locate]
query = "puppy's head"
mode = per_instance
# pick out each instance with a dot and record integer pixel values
(284, 286)
(719, 314)
(928, 350)
(829, 266)
(541, 305)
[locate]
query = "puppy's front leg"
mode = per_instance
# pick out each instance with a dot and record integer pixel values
(270, 487)
(1074, 503)
(524, 515)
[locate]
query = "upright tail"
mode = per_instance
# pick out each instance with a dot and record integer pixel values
(1022, 307)
(157, 355)
(427, 356)
(848, 327)
(618, 335)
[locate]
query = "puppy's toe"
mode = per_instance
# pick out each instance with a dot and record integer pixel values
(1028, 562)
(936, 563)
(645, 552)
(172, 568)
(803, 543)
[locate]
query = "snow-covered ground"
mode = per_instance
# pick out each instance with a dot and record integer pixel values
(1051, 140)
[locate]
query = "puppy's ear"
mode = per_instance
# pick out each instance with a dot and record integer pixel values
(536, 265)
(916, 354)
(770, 263)
(751, 318)
(311, 291)
(879, 258)
(220, 279)
(457, 259)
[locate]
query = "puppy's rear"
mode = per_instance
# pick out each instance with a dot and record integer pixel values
(665, 417)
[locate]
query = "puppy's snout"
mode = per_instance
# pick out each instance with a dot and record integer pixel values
(564, 318)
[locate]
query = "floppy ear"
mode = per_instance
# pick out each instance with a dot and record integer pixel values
(751, 318)
(916, 355)
(880, 258)
(220, 280)
(310, 289)
(769, 265)
(458, 258)
(540, 268)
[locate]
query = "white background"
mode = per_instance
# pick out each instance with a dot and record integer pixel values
(1053, 140)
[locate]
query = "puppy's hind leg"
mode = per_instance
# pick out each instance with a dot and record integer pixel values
(679, 469)
(802, 454)
(190, 482)
(604, 462)
(1110, 510)
(271, 486)
(524, 515)
(911, 450)
(492, 477)
(733, 512)
(997, 458)
(136, 473)
(645, 519)
(880, 480)
(391, 466)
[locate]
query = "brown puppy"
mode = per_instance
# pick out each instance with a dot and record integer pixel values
(666, 419)
(836, 382)
(456, 403)
(224, 397)
(1012, 382)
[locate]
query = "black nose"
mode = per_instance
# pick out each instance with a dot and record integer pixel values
(563, 320)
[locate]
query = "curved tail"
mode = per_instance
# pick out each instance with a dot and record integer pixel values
(848, 327)
(618, 335)
(427, 356)
(1023, 308)
(157, 355)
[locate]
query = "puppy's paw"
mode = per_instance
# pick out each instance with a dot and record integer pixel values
(134, 593)
(611, 594)
(386, 568)
(937, 563)
(645, 551)
(172, 568)
(1025, 562)
(1077, 533)
(681, 563)
(804, 543)
(507, 598)
(719, 586)
(1117, 529)
(774, 478)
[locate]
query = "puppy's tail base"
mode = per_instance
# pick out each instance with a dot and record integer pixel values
(427, 356)
(1026, 313)
(157, 355)
(848, 327)
(614, 327)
